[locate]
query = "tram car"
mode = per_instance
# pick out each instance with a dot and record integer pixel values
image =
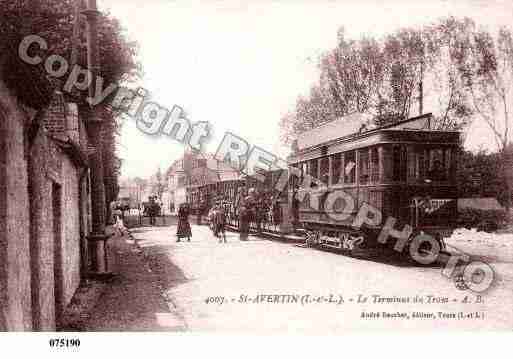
(405, 170)
(203, 197)
(228, 193)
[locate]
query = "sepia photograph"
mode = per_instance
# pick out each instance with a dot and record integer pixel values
(273, 168)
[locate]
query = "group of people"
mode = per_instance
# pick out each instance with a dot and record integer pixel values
(152, 209)
(183, 229)
(217, 219)
(250, 208)
(216, 216)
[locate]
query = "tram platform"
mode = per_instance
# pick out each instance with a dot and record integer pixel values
(272, 235)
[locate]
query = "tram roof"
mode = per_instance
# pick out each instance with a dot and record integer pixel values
(354, 128)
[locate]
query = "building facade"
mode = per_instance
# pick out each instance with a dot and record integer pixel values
(194, 170)
(176, 186)
(44, 211)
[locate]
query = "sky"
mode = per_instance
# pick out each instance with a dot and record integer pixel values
(241, 65)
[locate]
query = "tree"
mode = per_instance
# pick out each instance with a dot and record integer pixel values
(159, 187)
(388, 78)
(442, 41)
(479, 175)
(464, 72)
(57, 22)
(484, 66)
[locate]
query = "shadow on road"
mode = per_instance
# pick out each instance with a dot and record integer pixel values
(133, 299)
(134, 221)
(157, 257)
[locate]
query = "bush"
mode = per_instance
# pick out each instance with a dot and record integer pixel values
(484, 220)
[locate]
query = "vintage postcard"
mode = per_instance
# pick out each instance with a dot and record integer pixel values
(255, 167)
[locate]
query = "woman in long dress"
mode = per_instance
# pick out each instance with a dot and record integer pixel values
(247, 214)
(183, 229)
(244, 220)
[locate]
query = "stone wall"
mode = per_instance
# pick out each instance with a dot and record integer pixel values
(70, 228)
(40, 256)
(15, 298)
(41, 246)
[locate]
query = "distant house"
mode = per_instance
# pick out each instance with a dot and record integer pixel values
(204, 169)
(194, 170)
(176, 181)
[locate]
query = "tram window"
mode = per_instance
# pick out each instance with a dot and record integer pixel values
(304, 171)
(295, 177)
(448, 164)
(350, 167)
(399, 163)
(412, 165)
(364, 166)
(202, 163)
(437, 168)
(374, 165)
(336, 167)
(325, 170)
(421, 164)
(314, 166)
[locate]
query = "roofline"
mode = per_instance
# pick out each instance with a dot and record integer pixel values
(428, 115)
(373, 131)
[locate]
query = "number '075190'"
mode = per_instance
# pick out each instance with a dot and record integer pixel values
(64, 343)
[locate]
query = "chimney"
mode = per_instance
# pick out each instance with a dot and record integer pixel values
(55, 118)
(72, 124)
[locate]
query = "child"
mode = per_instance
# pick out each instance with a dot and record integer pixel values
(120, 226)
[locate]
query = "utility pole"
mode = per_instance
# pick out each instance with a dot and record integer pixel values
(98, 238)
(421, 89)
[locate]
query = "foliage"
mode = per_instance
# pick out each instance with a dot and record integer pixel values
(111, 162)
(480, 175)
(487, 220)
(485, 67)
(56, 22)
(464, 70)
(159, 185)
(392, 77)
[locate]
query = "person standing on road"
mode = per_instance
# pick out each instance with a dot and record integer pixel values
(252, 205)
(244, 214)
(238, 204)
(119, 225)
(152, 209)
(183, 229)
(219, 222)
(200, 212)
